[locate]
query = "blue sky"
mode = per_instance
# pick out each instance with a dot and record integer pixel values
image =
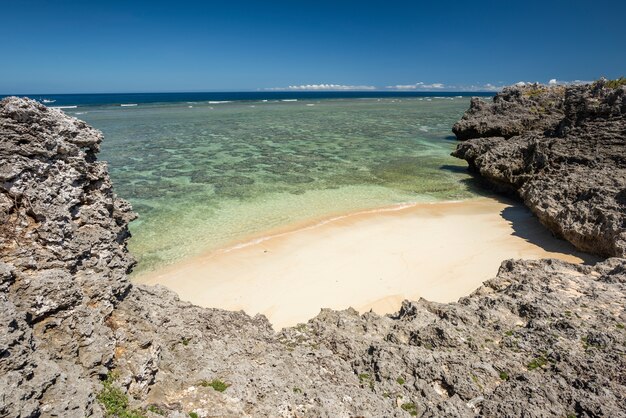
(67, 46)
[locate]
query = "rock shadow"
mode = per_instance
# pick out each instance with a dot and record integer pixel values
(524, 223)
(527, 226)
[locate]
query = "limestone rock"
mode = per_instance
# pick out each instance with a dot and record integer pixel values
(562, 150)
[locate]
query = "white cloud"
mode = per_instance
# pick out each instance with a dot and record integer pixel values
(553, 82)
(577, 82)
(417, 86)
(317, 87)
(490, 87)
(476, 87)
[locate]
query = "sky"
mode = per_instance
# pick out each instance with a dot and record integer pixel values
(116, 46)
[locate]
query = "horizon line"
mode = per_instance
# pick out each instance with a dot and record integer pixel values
(253, 91)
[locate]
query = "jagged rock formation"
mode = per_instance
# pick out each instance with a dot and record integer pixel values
(544, 338)
(514, 111)
(563, 151)
(64, 263)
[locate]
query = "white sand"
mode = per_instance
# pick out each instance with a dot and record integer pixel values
(370, 260)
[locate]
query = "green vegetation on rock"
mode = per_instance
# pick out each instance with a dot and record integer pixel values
(216, 384)
(618, 82)
(115, 401)
(365, 377)
(535, 92)
(156, 410)
(537, 363)
(410, 408)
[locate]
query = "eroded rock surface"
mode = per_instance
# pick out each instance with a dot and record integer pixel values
(64, 262)
(563, 151)
(543, 338)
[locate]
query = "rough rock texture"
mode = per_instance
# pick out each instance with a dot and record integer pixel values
(514, 111)
(563, 151)
(544, 338)
(64, 263)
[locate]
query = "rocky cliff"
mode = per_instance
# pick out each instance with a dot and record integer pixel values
(543, 338)
(562, 150)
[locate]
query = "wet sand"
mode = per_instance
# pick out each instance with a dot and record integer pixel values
(366, 260)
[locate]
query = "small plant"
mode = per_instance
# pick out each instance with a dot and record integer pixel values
(185, 341)
(585, 342)
(297, 390)
(400, 380)
(410, 408)
(216, 384)
(504, 375)
(193, 415)
(537, 363)
(364, 377)
(591, 344)
(620, 326)
(476, 381)
(155, 409)
(613, 84)
(509, 333)
(115, 401)
(534, 92)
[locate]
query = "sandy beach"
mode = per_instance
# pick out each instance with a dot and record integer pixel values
(366, 260)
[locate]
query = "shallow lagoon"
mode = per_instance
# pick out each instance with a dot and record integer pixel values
(205, 175)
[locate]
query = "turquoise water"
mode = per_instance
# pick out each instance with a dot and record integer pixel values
(203, 175)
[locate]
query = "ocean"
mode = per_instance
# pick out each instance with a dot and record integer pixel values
(209, 170)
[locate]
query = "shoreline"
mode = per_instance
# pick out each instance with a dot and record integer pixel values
(437, 250)
(296, 227)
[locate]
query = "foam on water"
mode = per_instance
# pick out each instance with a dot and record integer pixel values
(203, 178)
